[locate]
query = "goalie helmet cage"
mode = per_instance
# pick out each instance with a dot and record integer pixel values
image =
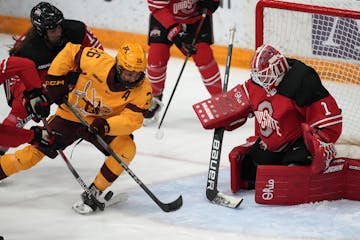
(326, 36)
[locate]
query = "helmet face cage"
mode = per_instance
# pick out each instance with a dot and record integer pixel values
(45, 16)
(130, 85)
(267, 66)
(131, 57)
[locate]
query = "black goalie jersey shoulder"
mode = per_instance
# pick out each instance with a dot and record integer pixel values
(302, 84)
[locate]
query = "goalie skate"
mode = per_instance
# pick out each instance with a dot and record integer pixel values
(81, 208)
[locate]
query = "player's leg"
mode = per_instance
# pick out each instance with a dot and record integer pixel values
(18, 115)
(30, 155)
(125, 148)
(158, 57)
(204, 58)
(208, 68)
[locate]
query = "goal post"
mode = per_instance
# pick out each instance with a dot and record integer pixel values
(326, 36)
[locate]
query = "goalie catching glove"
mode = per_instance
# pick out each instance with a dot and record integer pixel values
(229, 110)
(182, 39)
(37, 103)
(321, 150)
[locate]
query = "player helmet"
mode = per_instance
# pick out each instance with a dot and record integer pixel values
(45, 16)
(267, 68)
(131, 58)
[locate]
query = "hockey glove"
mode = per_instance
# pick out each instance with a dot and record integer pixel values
(58, 88)
(43, 139)
(37, 103)
(322, 152)
(182, 40)
(210, 5)
(99, 126)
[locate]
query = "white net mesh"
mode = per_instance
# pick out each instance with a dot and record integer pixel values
(330, 44)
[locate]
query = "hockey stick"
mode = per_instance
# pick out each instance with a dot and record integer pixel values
(212, 193)
(197, 32)
(100, 205)
(166, 207)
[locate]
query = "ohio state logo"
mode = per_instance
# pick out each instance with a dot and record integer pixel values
(265, 120)
(186, 6)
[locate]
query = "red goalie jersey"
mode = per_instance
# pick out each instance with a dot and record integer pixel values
(299, 98)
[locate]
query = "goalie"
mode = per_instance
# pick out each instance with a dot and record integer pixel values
(297, 122)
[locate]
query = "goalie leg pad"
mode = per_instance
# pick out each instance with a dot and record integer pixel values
(239, 163)
(290, 185)
(353, 179)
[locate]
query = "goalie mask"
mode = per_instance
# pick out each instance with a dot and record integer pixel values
(131, 65)
(268, 66)
(45, 16)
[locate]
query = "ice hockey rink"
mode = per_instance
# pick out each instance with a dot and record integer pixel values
(36, 204)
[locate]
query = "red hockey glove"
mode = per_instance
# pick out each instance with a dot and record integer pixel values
(322, 152)
(99, 126)
(42, 138)
(182, 40)
(37, 103)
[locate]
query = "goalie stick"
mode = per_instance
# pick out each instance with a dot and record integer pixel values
(166, 207)
(212, 193)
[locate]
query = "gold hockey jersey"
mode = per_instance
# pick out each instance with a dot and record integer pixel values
(92, 96)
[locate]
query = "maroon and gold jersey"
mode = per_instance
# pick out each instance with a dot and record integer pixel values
(92, 96)
(300, 98)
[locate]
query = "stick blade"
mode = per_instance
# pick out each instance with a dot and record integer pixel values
(226, 200)
(172, 206)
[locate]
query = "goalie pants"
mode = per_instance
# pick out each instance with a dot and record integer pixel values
(295, 154)
(29, 156)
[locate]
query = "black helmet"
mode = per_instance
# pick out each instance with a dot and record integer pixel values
(45, 16)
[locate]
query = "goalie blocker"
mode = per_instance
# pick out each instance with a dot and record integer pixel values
(279, 185)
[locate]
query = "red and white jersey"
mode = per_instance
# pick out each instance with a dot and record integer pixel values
(170, 12)
(300, 98)
(17, 69)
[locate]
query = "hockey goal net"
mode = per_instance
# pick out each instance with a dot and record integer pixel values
(325, 35)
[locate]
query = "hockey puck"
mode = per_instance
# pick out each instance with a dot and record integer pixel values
(107, 197)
